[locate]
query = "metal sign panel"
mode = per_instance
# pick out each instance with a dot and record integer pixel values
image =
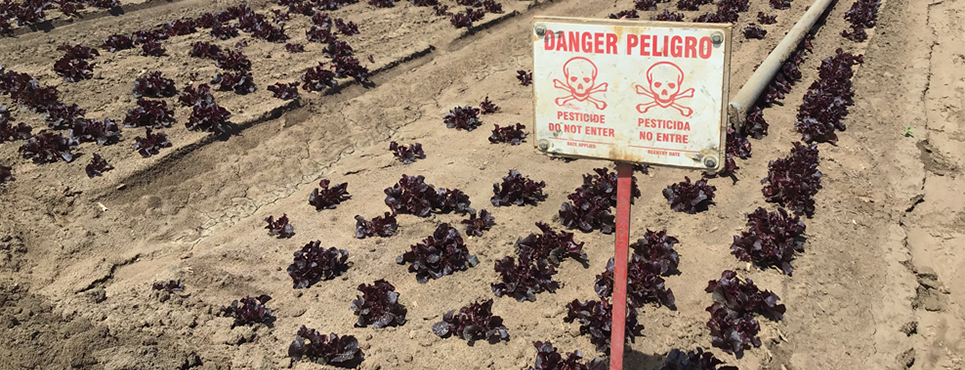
(643, 92)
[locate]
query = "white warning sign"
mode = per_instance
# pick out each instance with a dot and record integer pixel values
(644, 92)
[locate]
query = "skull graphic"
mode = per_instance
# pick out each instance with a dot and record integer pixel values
(580, 82)
(664, 79)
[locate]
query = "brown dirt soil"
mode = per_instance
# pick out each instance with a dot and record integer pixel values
(878, 287)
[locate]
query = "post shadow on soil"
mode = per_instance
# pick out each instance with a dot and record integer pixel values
(636, 360)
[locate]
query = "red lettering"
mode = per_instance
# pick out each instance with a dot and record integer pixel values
(666, 41)
(561, 42)
(676, 49)
(705, 47)
(690, 47)
(587, 41)
(644, 46)
(611, 43)
(632, 41)
(574, 41)
(598, 42)
(549, 40)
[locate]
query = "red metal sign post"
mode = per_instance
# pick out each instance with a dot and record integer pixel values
(617, 336)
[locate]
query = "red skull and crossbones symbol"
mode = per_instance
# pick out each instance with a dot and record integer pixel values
(664, 79)
(580, 74)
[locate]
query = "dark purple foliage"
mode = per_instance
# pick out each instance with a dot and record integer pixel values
(692, 5)
(755, 125)
(73, 66)
(25, 90)
(434, 3)
(153, 48)
(596, 318)
(222, 31)
(780, 4)
(439, 10)
(295, 48)
(204, 49)
(476, 225)
(169, 286)
(191, 96)
(153, 85)
(383, 226)
(438, 255)
(522, 280)
(313, 263)
(472, 322)
(589, 206)
(47, 147)
(732, 324)
(491, 6)
(645, 5)
(151, 143)
(693, 360)
(113, 43)
(466, 18)
(770, 240)
(9, 132)
(97, 166)
(103, 132)
(382, 3)
(766, 19)
(656, 248)
(240, 81)
(206, 20)
(346, 28)
(325, 197)
(144, 36)
(407, 154)
(552, 246)
(251, 311)
(643, 284)
(792, 181)
(413, 196)
(318, 78)
(862, 15)
(827, 99)
(514, 135)
(689, 197)
(61, 116)
(737, 146)
(5, 174)
(179, 27)
(525, 78)
(378, 306)
(487, 107)
(284, 91)
(625, 14)
(668, 16)
(346, 66)
(517, 190)
(208, 116)
(280, 227)
(337, 49)
(322, 20)
(149, 113)
(786, 77)
(231, 60)
(462, 118)
(548, 359)
(332, 350)
(754, 31)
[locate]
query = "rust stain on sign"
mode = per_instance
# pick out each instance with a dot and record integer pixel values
(644, 92)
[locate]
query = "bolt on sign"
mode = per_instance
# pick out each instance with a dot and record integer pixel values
(644, 92)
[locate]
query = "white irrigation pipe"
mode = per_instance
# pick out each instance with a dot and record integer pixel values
(747, 96)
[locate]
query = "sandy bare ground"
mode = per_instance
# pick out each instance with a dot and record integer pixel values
(879, 285)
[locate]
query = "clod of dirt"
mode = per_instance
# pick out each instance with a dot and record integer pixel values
(96, 295)
(928, 300)
(907, 358)
(910, 328)
(236, 336)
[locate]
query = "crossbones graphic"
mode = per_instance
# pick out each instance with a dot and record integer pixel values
(580, 82)
(666, 78)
